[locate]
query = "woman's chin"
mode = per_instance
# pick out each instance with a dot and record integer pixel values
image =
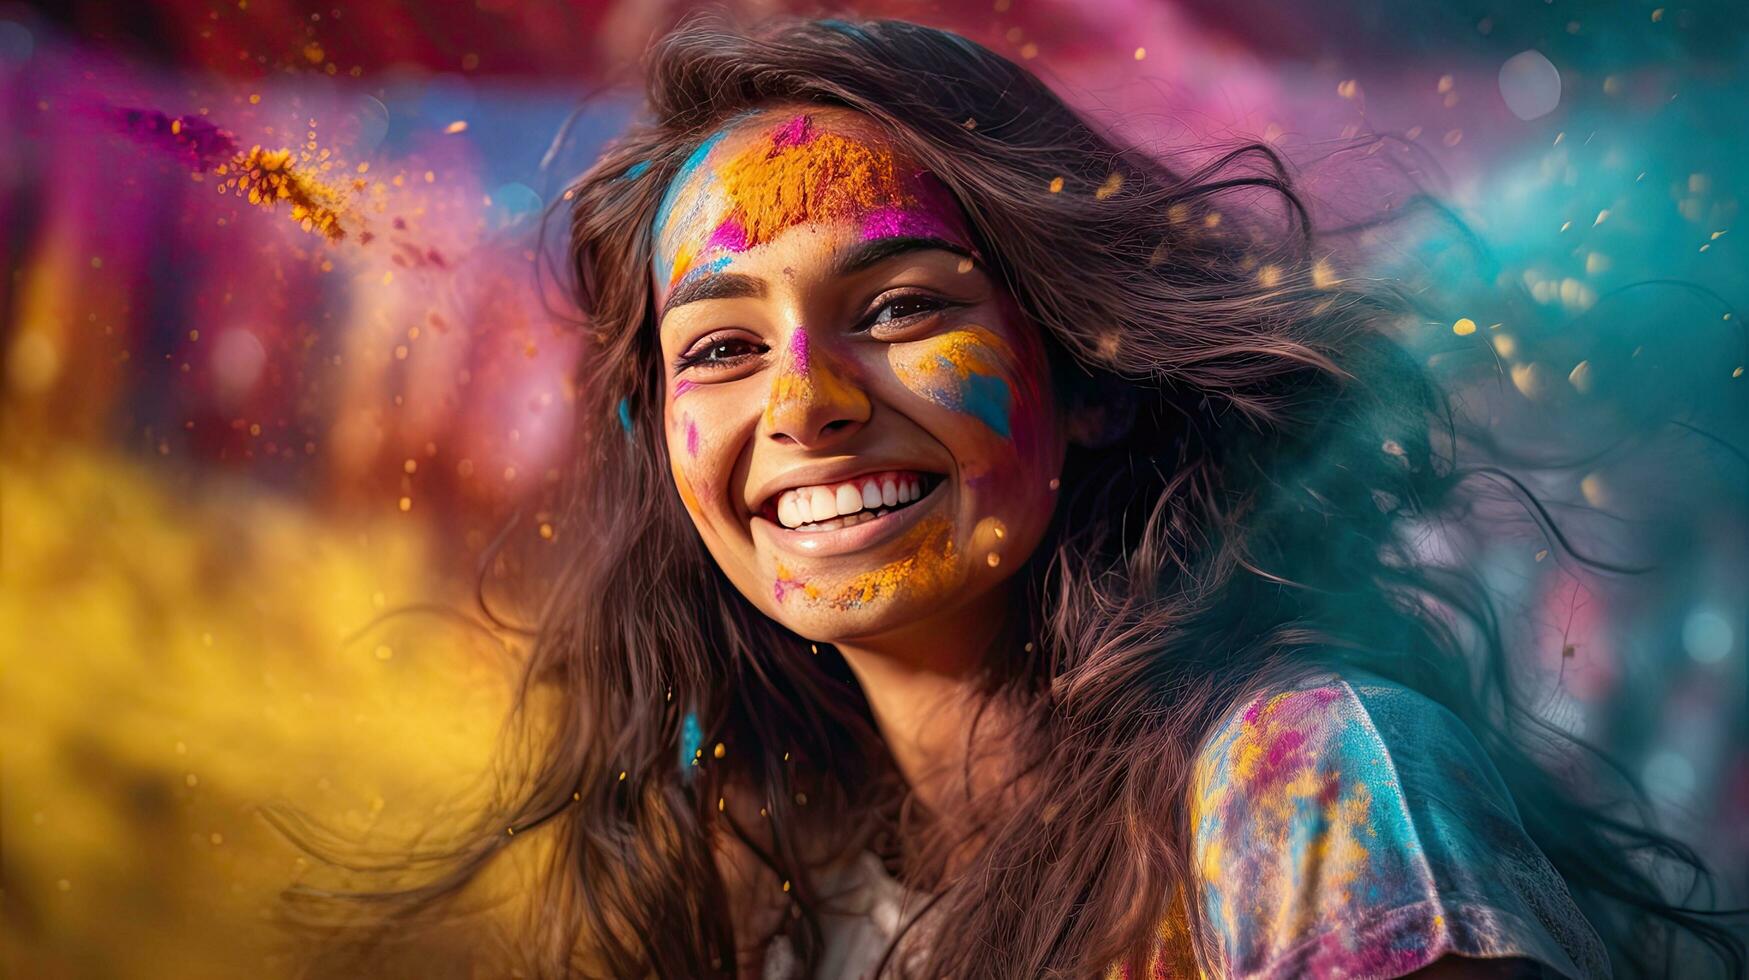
(824, 623)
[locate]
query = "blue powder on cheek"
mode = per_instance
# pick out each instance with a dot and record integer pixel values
(987, 399)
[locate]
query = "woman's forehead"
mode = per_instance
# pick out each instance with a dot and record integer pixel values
(749, 182)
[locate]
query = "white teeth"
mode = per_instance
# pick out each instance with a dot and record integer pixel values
(826, 507)
(848, 500)
(822, 504)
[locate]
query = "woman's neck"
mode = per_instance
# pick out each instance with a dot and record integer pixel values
(923, 687)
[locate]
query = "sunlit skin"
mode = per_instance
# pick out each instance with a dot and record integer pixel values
(858, 340)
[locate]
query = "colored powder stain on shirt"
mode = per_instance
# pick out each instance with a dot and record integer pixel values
(1355, 828)
(928, 568)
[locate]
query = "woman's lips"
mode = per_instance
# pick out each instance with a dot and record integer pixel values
(853, 532)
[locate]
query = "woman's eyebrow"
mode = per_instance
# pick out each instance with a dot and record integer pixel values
(717, 285)
(881, 249)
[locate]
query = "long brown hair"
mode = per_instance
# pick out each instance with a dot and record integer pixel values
(1267, 444)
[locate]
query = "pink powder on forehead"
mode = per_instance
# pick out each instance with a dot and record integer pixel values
(730, 236)
(793, 133)
(906, 222)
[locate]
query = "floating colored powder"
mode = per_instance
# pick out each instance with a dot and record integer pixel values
(198, 143)
(267, 177)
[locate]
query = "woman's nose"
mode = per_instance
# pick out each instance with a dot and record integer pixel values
(812, 400)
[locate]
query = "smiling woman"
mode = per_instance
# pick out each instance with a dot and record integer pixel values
(849, 394)
(992, 562)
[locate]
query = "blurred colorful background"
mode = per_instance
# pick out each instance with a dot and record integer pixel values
(286, 394)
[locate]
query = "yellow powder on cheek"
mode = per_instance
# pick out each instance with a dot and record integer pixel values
(827, 178)
(928, 568)
(972, 349)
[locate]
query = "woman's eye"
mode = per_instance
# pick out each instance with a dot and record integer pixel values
(721, 353)
(905, 307)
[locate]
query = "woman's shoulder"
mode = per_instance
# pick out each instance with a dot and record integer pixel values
(1345, 823)
(1335, 719)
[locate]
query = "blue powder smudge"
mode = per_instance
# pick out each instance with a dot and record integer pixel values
(636, 170)
(693, 162)
(691, 740)
(984, 397)
(714, 265)
(625, 416)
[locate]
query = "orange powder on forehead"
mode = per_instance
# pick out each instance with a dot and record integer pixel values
(783, 181)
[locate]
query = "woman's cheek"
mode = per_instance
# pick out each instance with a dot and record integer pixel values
(965, 370)
(685, 443)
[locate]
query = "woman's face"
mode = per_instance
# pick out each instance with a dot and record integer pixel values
(859, 421)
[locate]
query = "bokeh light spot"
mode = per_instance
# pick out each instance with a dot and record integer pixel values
(1707, 636)
(1530, 84)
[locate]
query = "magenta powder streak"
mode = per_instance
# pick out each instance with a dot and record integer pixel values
(729, 236)
(906, 223)
(691, 438)
(781, 588)
(682, 387)
(798, 351)
(793, 133)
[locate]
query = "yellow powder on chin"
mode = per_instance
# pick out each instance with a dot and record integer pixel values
(828, 177)
(928, 568)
